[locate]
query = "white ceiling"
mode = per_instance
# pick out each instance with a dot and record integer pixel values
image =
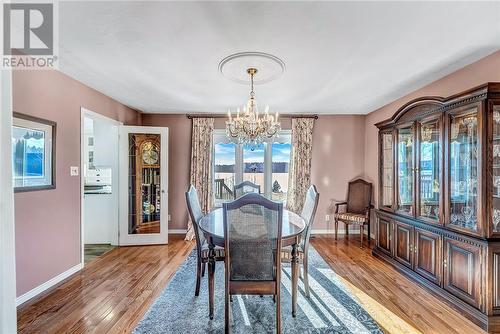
(341, 58)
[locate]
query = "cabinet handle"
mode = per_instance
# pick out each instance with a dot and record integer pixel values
(445, 263)
(411, 248)
(415, 249)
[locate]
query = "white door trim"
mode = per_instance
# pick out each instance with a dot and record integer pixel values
(94, 115)
(8, 316)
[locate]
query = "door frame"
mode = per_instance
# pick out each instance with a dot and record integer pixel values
(124, 238)
(84, 112)
(8, 310)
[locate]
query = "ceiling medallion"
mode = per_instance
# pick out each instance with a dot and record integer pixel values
(270, 67)
(250, 127)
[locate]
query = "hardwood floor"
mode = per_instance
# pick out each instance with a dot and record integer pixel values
(112, 293)
(388, 294)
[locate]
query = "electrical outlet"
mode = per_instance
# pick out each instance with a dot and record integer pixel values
(327, 218)
(169, 217)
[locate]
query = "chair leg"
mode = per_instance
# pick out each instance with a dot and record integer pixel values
(199, 264)
(369, 234)
(336, 228)
(346, 229)
(306, 276)
(227, 311)
(361, 232)
(278, 313)
(203, 265)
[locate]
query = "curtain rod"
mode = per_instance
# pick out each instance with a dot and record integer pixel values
(191, 116)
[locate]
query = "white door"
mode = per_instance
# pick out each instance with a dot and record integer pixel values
(143, 187)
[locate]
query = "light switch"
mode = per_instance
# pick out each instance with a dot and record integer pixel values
(73, 171)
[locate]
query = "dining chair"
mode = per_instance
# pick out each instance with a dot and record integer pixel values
(252, 235)
(202, 249)
(245, 187)
(357, 207)
(308, 213)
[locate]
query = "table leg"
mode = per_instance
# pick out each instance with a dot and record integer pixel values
(211, 274)
(295, 278)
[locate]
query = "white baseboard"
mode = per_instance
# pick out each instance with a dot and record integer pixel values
(178, 231)
(47, 285)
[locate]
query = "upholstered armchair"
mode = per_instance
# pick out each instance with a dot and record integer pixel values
(245, 187)
(356, 208)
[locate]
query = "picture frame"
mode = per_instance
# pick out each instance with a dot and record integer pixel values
(33, 153)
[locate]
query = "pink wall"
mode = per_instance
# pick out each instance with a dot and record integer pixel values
(48, 221)
(338, 156)
(475, 74)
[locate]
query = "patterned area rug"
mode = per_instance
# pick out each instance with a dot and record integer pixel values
(331, 308)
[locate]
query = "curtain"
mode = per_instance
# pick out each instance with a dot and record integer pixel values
(201, 165)
(299, 174)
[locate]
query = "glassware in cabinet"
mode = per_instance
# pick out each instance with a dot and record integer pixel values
(429, 170)
(463, 169)
(405, 171)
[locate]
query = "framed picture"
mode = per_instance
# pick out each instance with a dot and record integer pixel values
(33, 153)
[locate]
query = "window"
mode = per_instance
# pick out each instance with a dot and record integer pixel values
(281, 160)
(224, 170)
(253, 164)
(32, 153)
(265, 164)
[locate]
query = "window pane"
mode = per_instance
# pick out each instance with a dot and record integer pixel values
(224, 171)
(496, 169)
(144, 183)
(28, 157)
(281, 160)
(387, 168)
(464, 170)
(253, 164)
(405, 171)
(430, 170)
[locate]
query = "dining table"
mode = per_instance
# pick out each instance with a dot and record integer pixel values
(212, 226)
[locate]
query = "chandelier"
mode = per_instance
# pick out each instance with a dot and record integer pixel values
(250, 127)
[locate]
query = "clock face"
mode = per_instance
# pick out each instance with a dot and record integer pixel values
(150, 154)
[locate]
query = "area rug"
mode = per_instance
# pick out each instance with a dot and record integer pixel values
(330, 309)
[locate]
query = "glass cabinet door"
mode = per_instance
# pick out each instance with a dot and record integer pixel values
(429, 170)
(463, 169)
(387, 170)
(496, 169)
(405, 171)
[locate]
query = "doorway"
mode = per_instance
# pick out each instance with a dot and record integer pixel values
(99, 184)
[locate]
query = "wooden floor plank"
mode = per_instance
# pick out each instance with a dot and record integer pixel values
(112, 293)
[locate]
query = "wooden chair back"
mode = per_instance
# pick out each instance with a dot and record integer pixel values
(359, 195)
(245, 187)
(196, 214)
(308, 213)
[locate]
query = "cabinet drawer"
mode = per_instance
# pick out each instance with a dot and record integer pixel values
(428, 257)
(462, 270)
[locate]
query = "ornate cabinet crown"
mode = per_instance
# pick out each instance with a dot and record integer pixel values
(438, 216)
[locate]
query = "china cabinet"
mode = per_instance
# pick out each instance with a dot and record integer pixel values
(438, 216)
